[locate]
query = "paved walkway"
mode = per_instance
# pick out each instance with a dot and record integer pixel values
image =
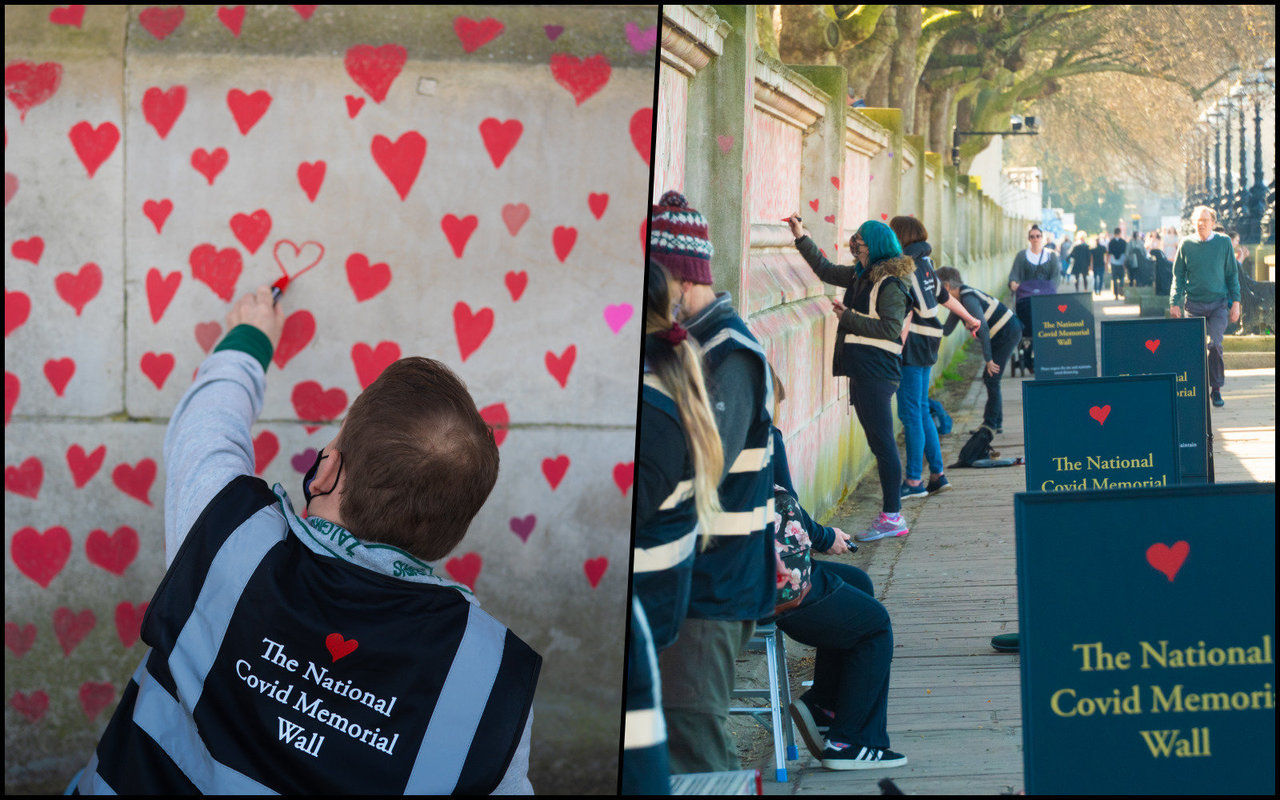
(949, 586)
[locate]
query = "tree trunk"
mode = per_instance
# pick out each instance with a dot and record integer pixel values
(803, 36)
(867, 65)
(904, 77)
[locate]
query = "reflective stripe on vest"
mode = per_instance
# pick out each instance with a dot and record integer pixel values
(922, 313)
(894, 346)
(682, 492)
(664, 556)
(926, 330)
(990, 306)
(742, 523)
(643, 727)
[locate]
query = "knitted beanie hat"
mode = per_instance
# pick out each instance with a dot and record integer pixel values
(880, 239)
(678, 239)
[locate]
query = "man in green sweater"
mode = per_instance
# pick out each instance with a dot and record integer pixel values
(1206, 284)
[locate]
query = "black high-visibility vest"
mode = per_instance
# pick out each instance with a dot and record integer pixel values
(997, 314)
(276, 669)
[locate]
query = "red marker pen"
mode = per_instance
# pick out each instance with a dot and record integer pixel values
(277, 289)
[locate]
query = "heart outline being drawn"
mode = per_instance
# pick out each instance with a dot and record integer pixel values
(1168, 560)
(297, 257)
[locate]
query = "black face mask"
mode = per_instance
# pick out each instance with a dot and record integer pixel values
(311, 476)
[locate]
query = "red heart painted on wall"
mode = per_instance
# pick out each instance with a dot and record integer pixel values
(400, 161)
(595, 569)
(311, 178)
(32, 706)
(28, 84)
(515, 215)
(500, 138)
(83, 465)
(1168, 559)
(209, 164)
(624, 475)
(458, 231)
(583, 78)
(374, 69)
(367, 280)
(129, 618)
(266, 446)
(471, 329)
(354, 104)
(79, 288)
(160, 290)
(813, 204)
(296, 334)
(562, 239)
(94, 145)
(553, 469)
(71, 628)
(17, 308)
(339, 647)
(251, 229)
(247, 109)
(41, 556)
(67, 15)
(641, 128)
(465, 569)
(115, 552)
(294, 259)
(135, 481)
(157, 367)
(160, 22)
(59, 372)
(94, 697)
(19, 638)
(313, 402)
(12, 388)
(232, 17)
(305, 11)
(217, 269)
(162, 109)
(1100, 413)
(496, 417)
(597, 203)
(208, 333)
(25, 479)
(157, 212)
(523, 526)
(516, 283)
(474, 35)
(371, 361)
(560, 365)
(28, 249)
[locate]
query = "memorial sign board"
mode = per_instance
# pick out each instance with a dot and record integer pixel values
(1062, 334)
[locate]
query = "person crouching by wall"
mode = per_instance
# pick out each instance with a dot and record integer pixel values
(999, 333)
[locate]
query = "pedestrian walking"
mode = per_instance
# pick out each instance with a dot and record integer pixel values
(1116, 249)
(1206, 283)
(1081, 257)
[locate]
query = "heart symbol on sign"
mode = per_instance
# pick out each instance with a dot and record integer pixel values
(25, 479)
(31, 706)
(160, 22)
(94, 145)
(41, 556)
(471, 329)
(523, 526)
(623, 475)
(1153, 345)
(19, 638)
(553, 469)
(302, 258)
(367, 280)
(400, 161)
(475, 35)
(84, 466)
(59, 372)
(94, 697)
(266, 446)
(339, 647)
(28, 84)
(595, 569)
(642, 133)
(129, 621)
(247, 109)
(496, 417)
(560, 365)
(465, 569)
(1168, 559)
(500, 138)
(374, 69)
(209, 164)
(113, 553)
(135, 481)
(583, 78)
(162, 109)
(1062, 309)
(71, 627)
(1100, 414)
(217, 269)
(160, 290)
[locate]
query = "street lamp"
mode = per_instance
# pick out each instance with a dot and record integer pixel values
(1020, 126)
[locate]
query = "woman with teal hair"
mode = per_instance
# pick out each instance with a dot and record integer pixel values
(869, 346)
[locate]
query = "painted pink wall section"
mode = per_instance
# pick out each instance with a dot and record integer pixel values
(775, 169)
(673, 120)
(855, 189)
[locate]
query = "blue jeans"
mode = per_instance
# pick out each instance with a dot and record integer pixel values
(917, 423)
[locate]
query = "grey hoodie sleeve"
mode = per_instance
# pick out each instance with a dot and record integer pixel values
(208, 444)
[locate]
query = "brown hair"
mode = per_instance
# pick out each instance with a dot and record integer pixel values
(420, 459)
(909, 230)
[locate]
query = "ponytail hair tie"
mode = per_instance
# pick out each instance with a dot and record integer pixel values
(674, 335)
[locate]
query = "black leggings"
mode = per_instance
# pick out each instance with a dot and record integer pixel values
(871, 399)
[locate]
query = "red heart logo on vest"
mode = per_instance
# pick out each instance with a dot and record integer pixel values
(642, 133)
(1168, 559)
(311, 177)
(79, 288)
(157, 367)
(296, 334)
(41, 556)
(94, 697)
(71, 628)
(158, 212)
(28, 84)
(160, 290)
(28, 249)
(475, 35)
(623, 475)
(1100, 414)
(458, 231)
(366, 279)
(19, 638)
(314, 402)
(471, 329)
(84, 466)
(217, 269)
(17, 308)
(252, 229)
(31, 706)
(465, 569)
(160, 22)
(496, 417)
(162, 109)
(583, 78)
(553, 469)
(113, 553)
(247, 109)
(25, 479)
(59, 372)
(560, 365)
(340, 647)
(1153, 345)
(135, 481)
(500, 138)
(371, 361)
(374, 69)
(129, 621)
(400, 161)
(595, 569)
(209, 164)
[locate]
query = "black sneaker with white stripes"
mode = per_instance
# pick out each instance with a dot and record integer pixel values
(856, 756)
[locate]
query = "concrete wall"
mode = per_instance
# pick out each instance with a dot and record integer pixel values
(466, 183)
(750, 141)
